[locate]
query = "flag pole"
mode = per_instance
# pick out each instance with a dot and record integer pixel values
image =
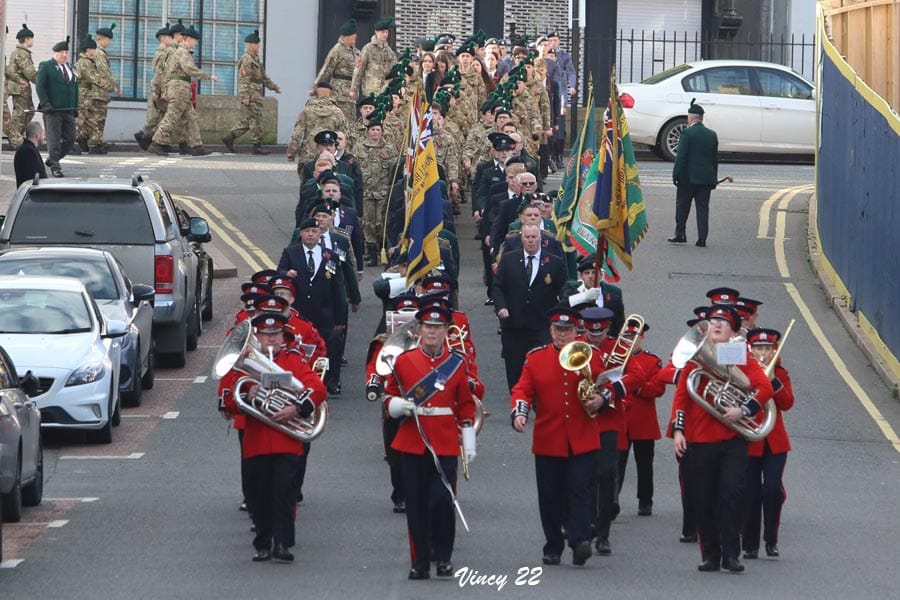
(602, 247)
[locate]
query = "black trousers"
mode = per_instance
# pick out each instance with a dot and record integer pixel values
(488, 261)
(516, 343)
(764, 498)
(335, 342)
(60, 128)
(700, 195)
(644, 451)
(301, 470)
(273, 482)
(717, 471)
(245, 483)
(430, 517)
(606, 483)
(564, 483)
(688, 514)
(389, 428)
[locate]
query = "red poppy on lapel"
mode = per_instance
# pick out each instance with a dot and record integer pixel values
(546, 260)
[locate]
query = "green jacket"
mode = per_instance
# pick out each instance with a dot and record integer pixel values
(53, 92)
(697, 159)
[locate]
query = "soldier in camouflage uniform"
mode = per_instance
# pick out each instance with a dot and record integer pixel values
(180, 112)
(377, 158)
(338, 69)
(156, 104)
(94, 86)
(92, 115)
(252, 76)
(477, 148)
(357, 130)
(319, 113)
(20, 74)
(446, 147)
(375, 61)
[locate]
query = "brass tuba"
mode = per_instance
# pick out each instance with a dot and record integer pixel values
(403, 329)
(726, 385)
(576, 357)
(241, 351)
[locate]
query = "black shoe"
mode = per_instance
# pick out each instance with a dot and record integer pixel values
(108, 146)
(282, 554)
(419, 574)
(580, 553)
(262, 555)
(489, 302)
(602, 546)
(97, 150)
(259, 150)
(772, 551)
(228, 140)
(399, 507)
(677, 240)
(344, 362)
(645, 509)
(143, 139)
(82, 143)
(708, 565)
(732, 565)
(56, 171)
(184, 149)
(551, 559)
(701, 244)
(372, 261)
(243, 506)
(615, 511)
(751, 554)
(334, 390)
(444, 569)
(688, 539)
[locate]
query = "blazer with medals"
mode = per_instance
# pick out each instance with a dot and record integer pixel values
(321, 297)
(54, 94)
(528, 304)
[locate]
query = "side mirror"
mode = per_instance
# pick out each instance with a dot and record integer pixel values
(116, 328)
(29, 384)
(200, 230)
(143, 292)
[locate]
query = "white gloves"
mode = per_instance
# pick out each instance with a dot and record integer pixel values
(400, 407)
(468, 440)
(590, 295)
(397, 286)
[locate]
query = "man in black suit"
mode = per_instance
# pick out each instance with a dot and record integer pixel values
(320, 294)
(526, 286)
(28, 161)
(57, 89)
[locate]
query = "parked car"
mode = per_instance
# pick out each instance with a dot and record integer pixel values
(21, 453)
(752, 106)
(139, 224)
(52, 327)
(117, 297)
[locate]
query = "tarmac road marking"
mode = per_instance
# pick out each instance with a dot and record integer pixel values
(132, 456)
(172, 414)
(85, 499)
(11, 563)
(835, 358)
(766, 208)
(201, 378)
(175, 379)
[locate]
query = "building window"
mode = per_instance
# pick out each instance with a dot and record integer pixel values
(223, 25)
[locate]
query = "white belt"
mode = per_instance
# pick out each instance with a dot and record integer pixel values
(433, 411)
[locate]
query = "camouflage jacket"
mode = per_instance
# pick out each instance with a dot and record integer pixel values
(94, 82)
(339, 64)
(317, 115)
(447, 150)
(20, 70)
(181, 65)
(252, 76)
(375, 60)
(541, 100)
(377, 160)
(478, 147)
(160, 60)
(102, 60)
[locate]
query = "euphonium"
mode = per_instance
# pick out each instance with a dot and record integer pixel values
(241, 351)
(726, 385)
(405, 337)
(576, 357)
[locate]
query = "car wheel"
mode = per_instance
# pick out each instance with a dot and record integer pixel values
(148, 378)
(194, 326)
(117, 413)
(133, 396)
(12, 502)
(208, 308)
(669, 136)
(178, 358)
(33, 493)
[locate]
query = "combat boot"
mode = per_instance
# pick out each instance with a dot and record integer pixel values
(155, 148)
(82, 143)
(199, 151)
(258, 149)
(228, 140)
(143, 139)
(97, 150)
(184, 149)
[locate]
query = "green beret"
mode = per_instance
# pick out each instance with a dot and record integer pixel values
(375, 120)
(252, 38)
(370, 99)
(106, 31)
(322, 207)
(164, 31)
(177, 28)
(62, 46)
(695, 109)
(24, 33)
(383, 24)
(88, 42)
(191, 32)
(348, 28)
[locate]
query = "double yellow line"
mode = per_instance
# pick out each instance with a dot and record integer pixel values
(784, 197)
(228, 234)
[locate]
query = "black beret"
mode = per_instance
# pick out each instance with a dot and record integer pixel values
(191, 33)
(324, 84)
(61, 46)
(370, 99)
(177, 28)
(88, 42)
(106, 31)
(252, 38)
(382, 24)
(24, 33)
(327, 175)
(695, 109)
(307, 223)
(348, 28)
(164, 31)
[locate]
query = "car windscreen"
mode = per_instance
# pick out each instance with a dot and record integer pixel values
(82, 217)
(94, 274)
(43, 311)
(666, 74)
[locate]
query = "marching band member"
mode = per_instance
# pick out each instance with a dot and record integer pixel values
(565, 442)
(642, 423)
(716, 454)
(765, 465)
(428, 388)
(272, 457)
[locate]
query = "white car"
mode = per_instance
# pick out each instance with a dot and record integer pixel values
(752, 106)
(52, 327)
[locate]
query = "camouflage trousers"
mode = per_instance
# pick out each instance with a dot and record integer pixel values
(341, 94)
(22, 114)
(251, 120)
(155, 111)
(180, 120)
(373, 224)
(14, 135)
(91, 121)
